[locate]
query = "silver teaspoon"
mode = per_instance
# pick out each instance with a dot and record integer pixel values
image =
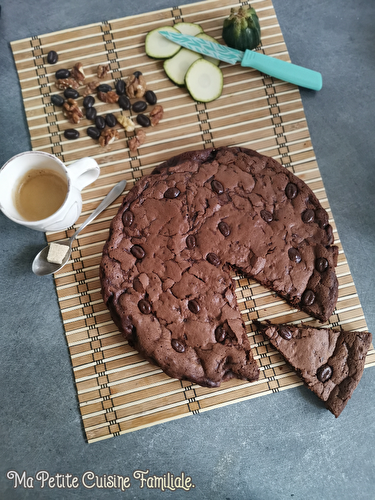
(41, 266)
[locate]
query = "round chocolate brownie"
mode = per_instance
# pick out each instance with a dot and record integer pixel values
(165, 270)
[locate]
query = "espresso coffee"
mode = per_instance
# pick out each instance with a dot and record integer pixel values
(39, 194)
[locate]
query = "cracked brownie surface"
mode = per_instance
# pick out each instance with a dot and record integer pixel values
(165, 270)
(330, 362)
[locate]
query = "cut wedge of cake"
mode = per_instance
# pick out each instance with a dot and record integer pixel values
(330, 362)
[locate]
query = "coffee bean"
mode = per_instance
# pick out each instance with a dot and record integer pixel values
(171, 193)
(127, 218)
(266, 215)
(93, 132)
(294, 255)
(57, 100)
(61, 74)
(124, 102)
(190, 241)
(137, 74)
(120, 87)
(324, 373)
(100, 122)
(321, 264)
(138, 251)
(217, 187)
(143, 120)
(91, 113)
(193, 306)
(308, 298)
(308, 216)
(150, 97)
(139, 106)
(110, 120)
(70, 93)
(52, 57)
(329, 231)
(285, 333)
(177, 345)
(71, 134)
(88, 101)
(213, 259)
(144, 306)
(220, 334)
(291, 190)
(103, 87)
(224, 228)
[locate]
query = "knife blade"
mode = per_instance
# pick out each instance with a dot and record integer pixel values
(268, 65)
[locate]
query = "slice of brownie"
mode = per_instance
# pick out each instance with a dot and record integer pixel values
(330, 362)
(165, 270)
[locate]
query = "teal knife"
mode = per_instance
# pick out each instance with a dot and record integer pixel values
(268, 65)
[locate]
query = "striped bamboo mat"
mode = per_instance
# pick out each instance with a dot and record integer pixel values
(118, 391)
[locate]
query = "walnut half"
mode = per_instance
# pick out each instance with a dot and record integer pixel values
(72, 111)
(110, 97)
(64, 83)
(126, 122)
(102, 70)
(136, 86)
(77, 72)
(108, 136)
(90, 87)
(156, 115)
(137, 140)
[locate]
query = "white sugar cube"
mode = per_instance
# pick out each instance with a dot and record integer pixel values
(56, 253)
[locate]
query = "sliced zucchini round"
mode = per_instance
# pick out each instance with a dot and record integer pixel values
(209, 38)
(177, 66)
(204, 81)
(188, 28)
(159, 47)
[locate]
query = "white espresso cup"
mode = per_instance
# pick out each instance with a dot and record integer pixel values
(77, 176)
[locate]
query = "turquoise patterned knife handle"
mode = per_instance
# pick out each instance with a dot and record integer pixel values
(283, 70)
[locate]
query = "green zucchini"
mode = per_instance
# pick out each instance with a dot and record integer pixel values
(204, 81)
(209, 38)
(159, 47)
(177, 66)
(188, 28)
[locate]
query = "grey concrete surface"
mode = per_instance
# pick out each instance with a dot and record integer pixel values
(284, 446)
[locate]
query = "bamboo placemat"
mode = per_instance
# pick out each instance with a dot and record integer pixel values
(118, 391)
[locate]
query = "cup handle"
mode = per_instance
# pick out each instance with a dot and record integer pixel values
(83, 172)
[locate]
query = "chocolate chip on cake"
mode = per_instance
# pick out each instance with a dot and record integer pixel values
(324, 373)
(217, 187)
(171, 193)
(266, 216)
(213, 259)
(177, 345)
(321, 264)
(127, 218)
(285, 332)
(294, 255)
(193, 306)
(144, 306)
(178, 234)
(224, 228)
(308, 216)
(138, 252)
(190, 241)
(291, 190)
